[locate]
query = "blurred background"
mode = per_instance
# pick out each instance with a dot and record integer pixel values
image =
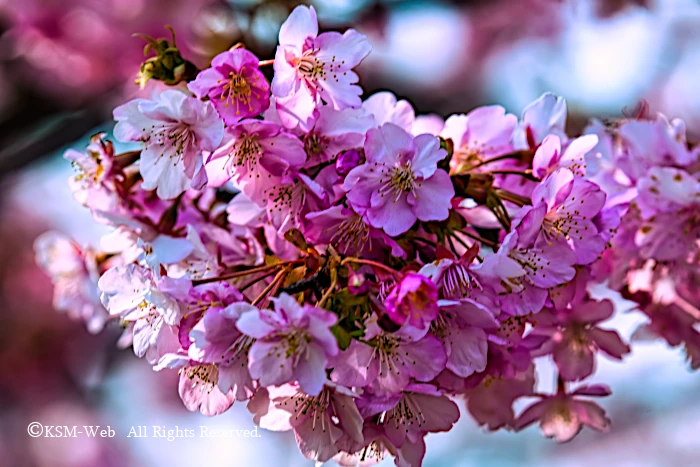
(64, 64)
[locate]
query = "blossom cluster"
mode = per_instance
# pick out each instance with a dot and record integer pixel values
(353, 270)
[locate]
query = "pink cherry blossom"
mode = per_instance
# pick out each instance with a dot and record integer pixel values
(413, 301)
(545, 116)
(257, 154)
(199, 385)
(74, 274)
(349, 233)
(399, 183)
(293, 342)
(390, 364)
(669, 202)
(234, 85)
(563, 415)
(574, 337)
(334, 131)
(549, 156)
(483, 133)
(318, 421)
(386, 108)
(563, 210)
(310, 67)
(175, 129)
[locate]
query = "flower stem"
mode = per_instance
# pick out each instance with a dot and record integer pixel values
(515, 198)
(369, 263)
(493, 245)
(272, 287)
(256, 280)
(331, 288)
(523, 173)
(510, 155)
(266, 62)
(245, 272)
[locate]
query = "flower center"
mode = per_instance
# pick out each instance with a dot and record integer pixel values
(352, 234)
(206, 375)
(406, 414)
(315, 144)
(237, 91)
(457, 282)
(246, 153)
(309, 66)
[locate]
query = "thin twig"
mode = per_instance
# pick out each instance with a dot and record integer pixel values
(494, 246)
(236, 274)
(329, 291)
(256, 280)
(278, 278)
(369, 263)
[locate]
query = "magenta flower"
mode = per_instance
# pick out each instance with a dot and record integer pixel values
(319, 422)
(310, 67)
(257, 154)
(348, 160)
(483, 133)
(293, 343)
(562, 416)
(399, 183)
(413, 302)
(573, 337)
(175, 129)
(235, 86)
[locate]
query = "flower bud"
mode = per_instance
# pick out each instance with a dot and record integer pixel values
(348, 160)
(167, 66)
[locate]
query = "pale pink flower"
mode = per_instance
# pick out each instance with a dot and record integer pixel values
(294, 342)
(74, 274)
(563, 415)
(318, 421)
(386, 108)
(311, 67)
(545, 116)
(175, 129)
(483, 133)
(198, 385)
